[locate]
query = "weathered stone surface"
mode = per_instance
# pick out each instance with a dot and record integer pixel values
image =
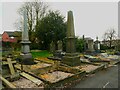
(31, 78)
(71, 57)
(60, 45)
(71, 60)
(52, 47)
(97, 45)
(25, 49)
(90, 44)
(70, 45)
(6, 82)
(8, 69)
(55, 76)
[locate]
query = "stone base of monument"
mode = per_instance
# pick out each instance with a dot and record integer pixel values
(58, 55)
(71, 59)
(27, 59)
(15, 77)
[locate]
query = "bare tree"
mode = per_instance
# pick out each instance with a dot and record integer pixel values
(35, 11)
(110, 36)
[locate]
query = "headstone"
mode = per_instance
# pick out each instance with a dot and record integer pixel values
(58, 53)
(59, 45)
(97, 45)
(71, 57)
(25, 53)
(52, 47)
(90, 44)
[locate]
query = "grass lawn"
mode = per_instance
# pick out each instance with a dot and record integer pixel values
(35, 53)
(43, 53)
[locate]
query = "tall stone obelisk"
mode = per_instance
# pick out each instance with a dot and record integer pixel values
(25, 48)
(71, 57)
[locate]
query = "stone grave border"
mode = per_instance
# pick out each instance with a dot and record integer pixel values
(77, 75)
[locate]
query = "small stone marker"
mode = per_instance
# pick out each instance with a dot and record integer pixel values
(59, 45)
(90, 44)
(52, 47)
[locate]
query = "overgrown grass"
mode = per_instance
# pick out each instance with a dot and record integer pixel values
(37, 54)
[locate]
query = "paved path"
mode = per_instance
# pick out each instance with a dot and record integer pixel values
(102, 79)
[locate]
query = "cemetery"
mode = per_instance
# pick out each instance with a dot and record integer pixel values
(41, 69)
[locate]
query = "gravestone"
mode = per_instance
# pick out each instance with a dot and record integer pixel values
(71, 57)
(59, 45)
(52, 47)
(58, 52)
(25, 52)
(90, 44)
(97, 45)
(8, 69)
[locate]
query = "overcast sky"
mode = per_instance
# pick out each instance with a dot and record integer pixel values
(90, 18)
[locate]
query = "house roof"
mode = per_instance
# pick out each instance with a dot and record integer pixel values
(10, 33)
(88, 38)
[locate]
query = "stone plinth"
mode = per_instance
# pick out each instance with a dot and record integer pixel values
(71, 59)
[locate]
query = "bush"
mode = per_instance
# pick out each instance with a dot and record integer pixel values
(103, 47)
(34, 46)
(79, 45)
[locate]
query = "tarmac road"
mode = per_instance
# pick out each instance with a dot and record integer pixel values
(107, 78)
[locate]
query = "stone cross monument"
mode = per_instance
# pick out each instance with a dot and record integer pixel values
(71, 57)
(25, 49)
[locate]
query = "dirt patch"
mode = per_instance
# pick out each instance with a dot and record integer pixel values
(55, 76)
(87, 68)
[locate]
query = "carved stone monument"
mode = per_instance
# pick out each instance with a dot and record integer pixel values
(71, 57)
(25, 52)
(97, 45)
